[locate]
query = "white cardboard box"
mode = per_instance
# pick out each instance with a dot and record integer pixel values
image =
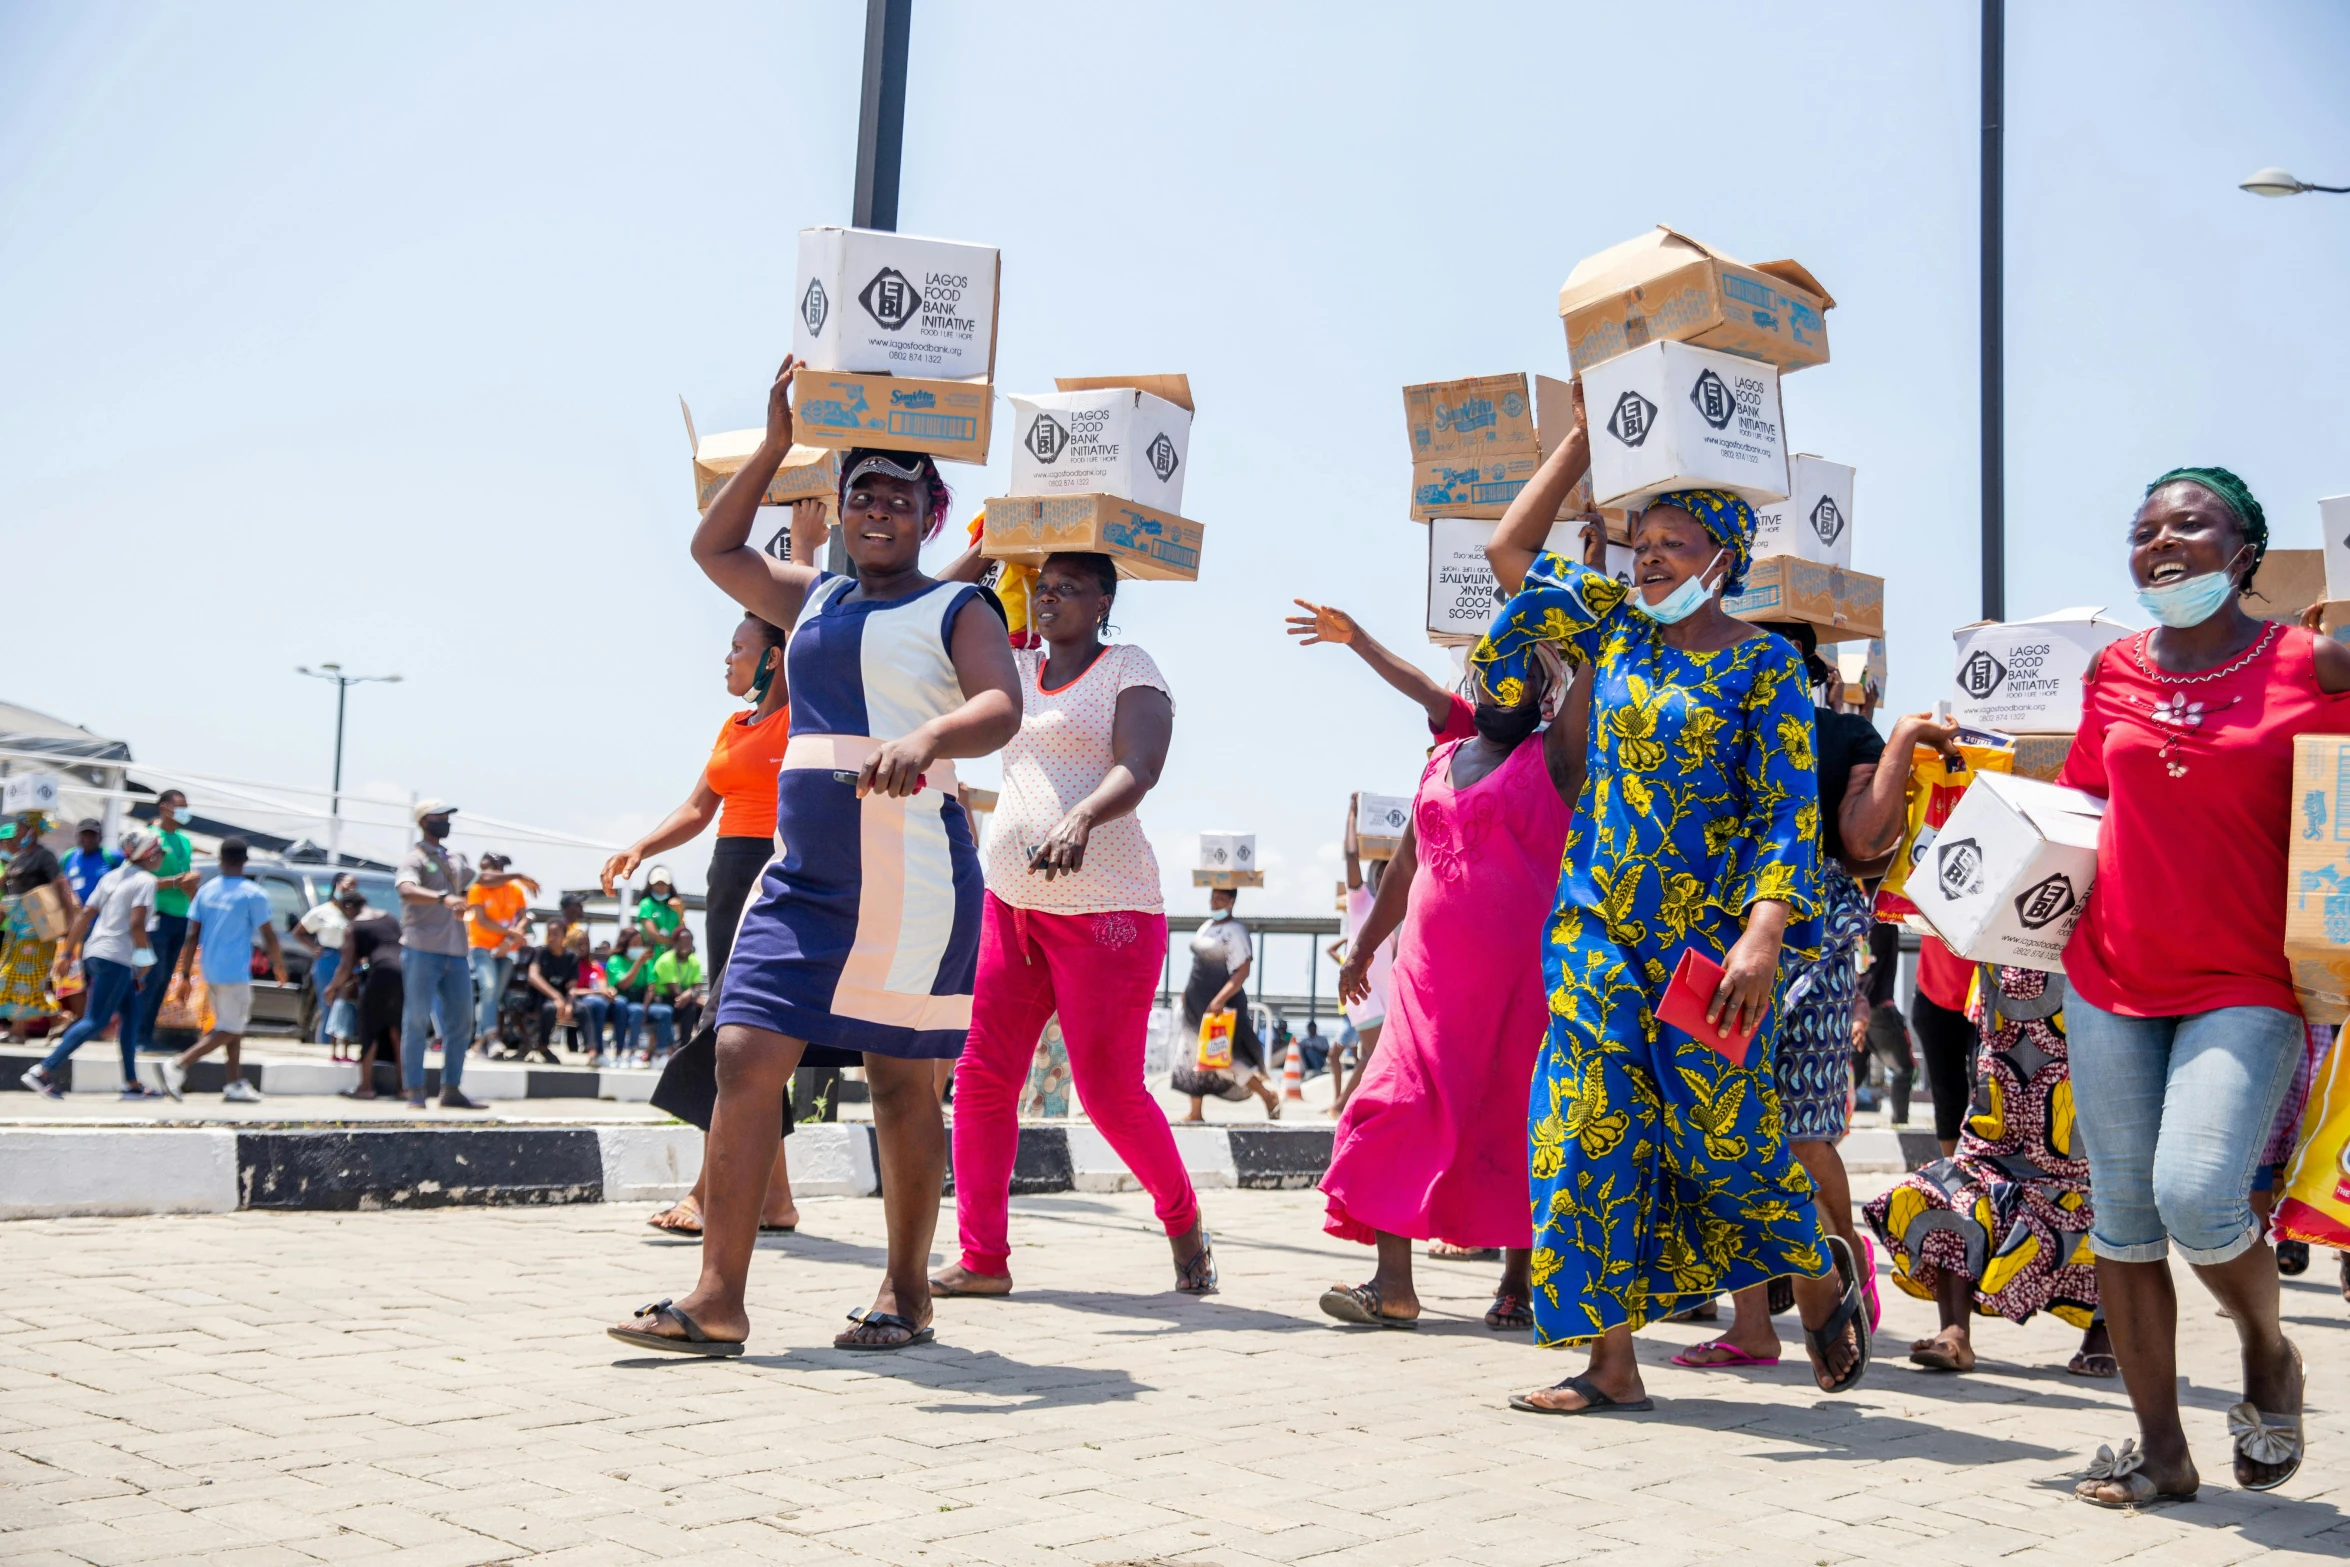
(1814, 522)
(1379, 823)
(1461, 590)
(2024, 676)
(1118, 441)
(2333, 524)
(1673, 417)
(894, 304)
(2009, 872)
(29, 792)
(1227, 851)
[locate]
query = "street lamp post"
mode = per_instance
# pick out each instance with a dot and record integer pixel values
(2276, 182)
(343, 685)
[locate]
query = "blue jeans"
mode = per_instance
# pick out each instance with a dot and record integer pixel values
(626, 1018)
(112, 989)
(663, 1017)
(166, 934)
(439, 987)
(322, 979)
(2175, 1112)
(491, 970)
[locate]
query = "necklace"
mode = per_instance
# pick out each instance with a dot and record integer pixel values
(2179, 716)
(2145, 642)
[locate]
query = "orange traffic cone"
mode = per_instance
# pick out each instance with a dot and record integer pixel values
(1293, 1075)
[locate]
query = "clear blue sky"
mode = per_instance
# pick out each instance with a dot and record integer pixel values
(357, 332)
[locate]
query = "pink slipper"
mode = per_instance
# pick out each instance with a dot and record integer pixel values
(1738, 1357)
(1868, 1282)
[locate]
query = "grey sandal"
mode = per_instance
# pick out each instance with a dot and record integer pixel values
(1361, 1305)
(2126, 1469)
(695, 1342)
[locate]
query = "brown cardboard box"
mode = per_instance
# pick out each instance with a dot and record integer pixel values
(1666, 285)
(2288, 582)
(808, 473)
(1150, 544)
(1228, 879)
(2317, 877)
(948, 419)
(2041, 756)
(1476, 442)
(1617, 522)
(1841, 605)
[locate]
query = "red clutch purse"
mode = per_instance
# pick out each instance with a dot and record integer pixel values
(1691, 992)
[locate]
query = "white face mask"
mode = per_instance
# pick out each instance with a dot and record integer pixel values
(1682, 602)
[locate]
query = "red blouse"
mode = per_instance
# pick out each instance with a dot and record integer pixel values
(2188, 910)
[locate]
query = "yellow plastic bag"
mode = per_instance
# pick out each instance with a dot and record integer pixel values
(1215, 1042)
(2315, 1203)
(1934, 790)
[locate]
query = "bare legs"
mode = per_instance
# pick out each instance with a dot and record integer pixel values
(913, 1138)
(2142, 1312)
(235, 1044)
(737, 1156)
(779, 1211)
(1367, 1041)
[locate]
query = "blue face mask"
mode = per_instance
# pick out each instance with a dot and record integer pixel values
(1682, 602)
(2190, 601)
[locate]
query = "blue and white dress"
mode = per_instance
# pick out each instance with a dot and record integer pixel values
(863, 934)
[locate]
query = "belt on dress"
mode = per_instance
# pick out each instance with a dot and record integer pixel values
(847, 753)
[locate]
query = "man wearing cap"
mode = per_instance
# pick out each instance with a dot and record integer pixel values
(110, 937)
(438, 975)
(88, 861)
(175, 886)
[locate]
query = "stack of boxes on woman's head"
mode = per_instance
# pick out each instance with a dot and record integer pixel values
(1680, 349)
(895, 336)
(1098, 465)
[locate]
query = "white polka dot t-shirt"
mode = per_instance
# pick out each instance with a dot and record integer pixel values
(1061, 754)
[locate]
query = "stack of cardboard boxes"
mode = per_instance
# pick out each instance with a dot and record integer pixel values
(1227, 859)
(2022, 678)
(1098, 464)
(1680, 348)
(1475, 444)
(895, 336)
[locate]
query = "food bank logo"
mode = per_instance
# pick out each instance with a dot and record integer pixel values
(1634, 417)
(891, 299)
(1713, 399)
(2046, 901)
(1827, 520)
(1047, 439)
(1958, 868)
(1160, 454)
(1981, 674)
(815, 307)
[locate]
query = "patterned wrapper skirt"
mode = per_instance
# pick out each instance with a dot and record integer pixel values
(24, 964)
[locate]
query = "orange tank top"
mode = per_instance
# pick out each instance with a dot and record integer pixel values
(742, 770)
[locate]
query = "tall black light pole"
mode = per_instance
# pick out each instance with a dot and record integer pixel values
(1994, 338)
(343, 685)
(881, 114)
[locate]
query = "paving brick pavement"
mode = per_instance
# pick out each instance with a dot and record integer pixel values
(434, 1388)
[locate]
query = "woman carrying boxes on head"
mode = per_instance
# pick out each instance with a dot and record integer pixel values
(864, 932)
(2184, 1027)
(1073, 921)
(1660, 1170)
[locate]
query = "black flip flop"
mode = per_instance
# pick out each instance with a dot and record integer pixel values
(884, 1319)
(779, 1229)
(1361, 1306)
(695, 1342)
(1595, 1402)
(1851, 1312)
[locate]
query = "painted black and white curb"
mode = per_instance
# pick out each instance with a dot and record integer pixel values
(97, 1069)
(54, 1170)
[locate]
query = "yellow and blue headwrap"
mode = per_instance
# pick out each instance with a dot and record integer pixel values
(1730, 521)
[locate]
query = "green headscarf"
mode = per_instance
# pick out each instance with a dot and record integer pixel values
(2233, 492)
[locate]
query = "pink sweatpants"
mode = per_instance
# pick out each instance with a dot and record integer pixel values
(1100, 973)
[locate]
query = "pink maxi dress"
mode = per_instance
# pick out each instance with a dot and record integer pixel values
(1433, 1144)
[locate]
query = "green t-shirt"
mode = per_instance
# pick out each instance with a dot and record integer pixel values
(664, 918)
(628, 974)
(178, 855)
(672, 974)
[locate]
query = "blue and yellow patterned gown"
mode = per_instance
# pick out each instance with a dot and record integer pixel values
(1661, 1173)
